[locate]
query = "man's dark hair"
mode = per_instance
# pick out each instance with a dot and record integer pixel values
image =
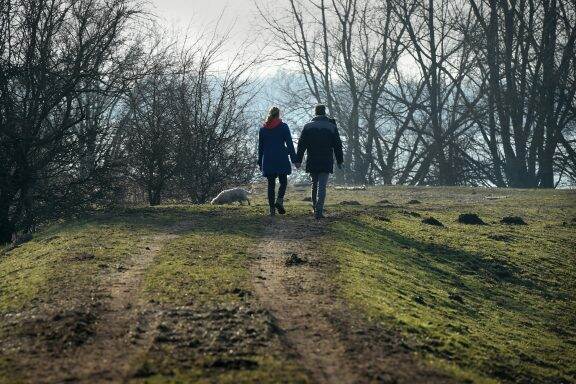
(320, 110)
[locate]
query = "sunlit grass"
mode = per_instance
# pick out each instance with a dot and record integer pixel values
(500, 309)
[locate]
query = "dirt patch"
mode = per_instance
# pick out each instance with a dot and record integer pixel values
(513, 220)
(350, 202)
(432, 221)
(216, 337)
(69, 328)
(382, 218)
(470, 219)
(384, 202)
(289, 293)
(307, 198)
(333, 342)
(293, 260)
(414, 201)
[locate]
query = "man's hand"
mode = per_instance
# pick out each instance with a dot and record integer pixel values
(339, 165)
(297, 165)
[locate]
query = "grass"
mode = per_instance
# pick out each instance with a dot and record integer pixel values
(488, 309)
(206, 266)
(45, 268)
(485, 304)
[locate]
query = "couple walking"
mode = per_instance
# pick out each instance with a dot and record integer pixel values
(319, 139)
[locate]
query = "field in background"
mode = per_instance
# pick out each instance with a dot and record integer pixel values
(482, 303)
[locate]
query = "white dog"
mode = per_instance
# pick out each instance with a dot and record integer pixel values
(230, 196)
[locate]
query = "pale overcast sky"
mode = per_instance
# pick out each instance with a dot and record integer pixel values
(201, 15)
(183, 12)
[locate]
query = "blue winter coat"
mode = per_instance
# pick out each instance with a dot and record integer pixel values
(275, 149)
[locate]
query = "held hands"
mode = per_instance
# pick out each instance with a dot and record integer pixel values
(297, 165)
(339, 165)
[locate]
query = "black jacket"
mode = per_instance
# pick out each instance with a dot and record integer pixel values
(320, 138)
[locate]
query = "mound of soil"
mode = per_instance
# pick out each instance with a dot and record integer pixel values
(470, 219)
(455, 297)
(513, 220)
(294, 260)
(419, 299)
(382, 218)
(432, 221)
(350, 202)
(414, 201)
(411, 213)
(382, 202)
(307, 199)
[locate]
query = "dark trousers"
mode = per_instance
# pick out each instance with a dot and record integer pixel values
(283, 179)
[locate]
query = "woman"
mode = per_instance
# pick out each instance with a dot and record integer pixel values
(274, 147)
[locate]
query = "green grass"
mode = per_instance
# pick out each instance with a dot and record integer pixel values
(472, 305)
(480, 309)
(208, 263)
(206, 266)
(45, 268)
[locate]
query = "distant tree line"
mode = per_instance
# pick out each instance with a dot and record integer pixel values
(439, 92)
(96, 106)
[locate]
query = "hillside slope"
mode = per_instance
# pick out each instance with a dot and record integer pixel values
(372, 294)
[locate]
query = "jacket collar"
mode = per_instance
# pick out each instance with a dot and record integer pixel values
(320, 118)
(273, 124)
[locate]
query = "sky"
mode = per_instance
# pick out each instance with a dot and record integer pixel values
(204, 12)
(203, 15)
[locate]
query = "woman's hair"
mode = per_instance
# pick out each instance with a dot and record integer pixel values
(273, 113)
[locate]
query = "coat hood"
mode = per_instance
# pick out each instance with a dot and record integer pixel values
(273, 124)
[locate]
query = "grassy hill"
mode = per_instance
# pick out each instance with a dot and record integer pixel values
(174, 293)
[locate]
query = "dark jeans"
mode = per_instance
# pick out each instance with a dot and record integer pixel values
(319, 182)
(272, 187)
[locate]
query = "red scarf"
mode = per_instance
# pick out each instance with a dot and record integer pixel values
(273, 123)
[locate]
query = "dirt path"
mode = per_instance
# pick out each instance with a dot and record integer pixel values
(335, 343)
(292, 287)
(125, 329)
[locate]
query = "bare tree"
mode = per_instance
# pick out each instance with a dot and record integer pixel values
(346, 51)
(210, 106)
(188, 129)
(530, 61)
(51, 53)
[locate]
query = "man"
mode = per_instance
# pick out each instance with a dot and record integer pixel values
(320, 138)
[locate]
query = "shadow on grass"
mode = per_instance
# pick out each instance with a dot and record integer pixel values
(497, 279)
(166, 219)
